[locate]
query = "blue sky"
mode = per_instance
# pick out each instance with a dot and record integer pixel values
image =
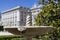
(6, 4)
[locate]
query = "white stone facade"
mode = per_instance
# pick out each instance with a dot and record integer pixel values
(19, 16)
(15, 16)
(35, 10)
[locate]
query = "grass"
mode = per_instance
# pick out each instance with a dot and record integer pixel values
(11, 36)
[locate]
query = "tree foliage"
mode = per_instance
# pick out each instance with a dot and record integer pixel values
(50, 16)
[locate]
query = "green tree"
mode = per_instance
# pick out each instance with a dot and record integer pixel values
(50, 16)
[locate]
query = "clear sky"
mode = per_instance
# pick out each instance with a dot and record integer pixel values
(6, 4)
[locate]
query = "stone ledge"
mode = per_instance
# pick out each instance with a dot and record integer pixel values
(27, 26)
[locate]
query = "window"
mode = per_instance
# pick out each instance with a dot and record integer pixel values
(33, 11)
(37, 10)
(15, 24)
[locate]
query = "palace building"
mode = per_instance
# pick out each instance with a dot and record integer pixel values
(20, 16)
(35, 10)
(16, 16)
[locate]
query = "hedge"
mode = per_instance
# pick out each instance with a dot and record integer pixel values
(10, 36)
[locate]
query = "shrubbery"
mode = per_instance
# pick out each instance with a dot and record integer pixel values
(11, 37)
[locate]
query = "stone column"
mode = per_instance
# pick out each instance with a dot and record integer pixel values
(28, 37)
(29, 19)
